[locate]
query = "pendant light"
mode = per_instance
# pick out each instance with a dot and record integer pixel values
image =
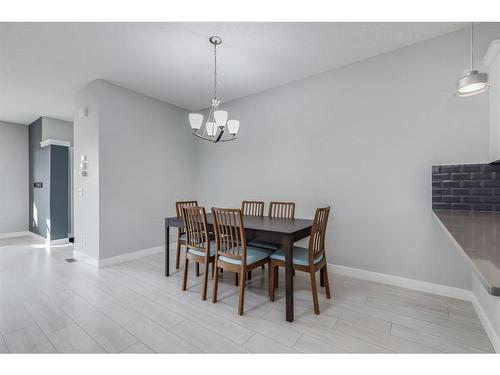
(473, 82)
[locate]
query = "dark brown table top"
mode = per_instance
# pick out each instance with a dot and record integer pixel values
(260, 223)
(478, 234)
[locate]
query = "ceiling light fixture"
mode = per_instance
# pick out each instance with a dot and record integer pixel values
(473, 82)
(214, 130)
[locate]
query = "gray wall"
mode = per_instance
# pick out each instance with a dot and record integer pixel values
(49, 205)
(362, 139)
(146, 160)
(13, 178)
(59, 192)
(63, 131)
(39, 171)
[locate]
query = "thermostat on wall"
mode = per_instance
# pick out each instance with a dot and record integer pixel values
(83, 112)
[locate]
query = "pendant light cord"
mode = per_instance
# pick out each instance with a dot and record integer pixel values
(215, 71)
(472, 46)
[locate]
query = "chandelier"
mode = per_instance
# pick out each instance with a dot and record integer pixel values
(217, 128)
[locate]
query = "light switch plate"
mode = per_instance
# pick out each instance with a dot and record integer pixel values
(80, 192)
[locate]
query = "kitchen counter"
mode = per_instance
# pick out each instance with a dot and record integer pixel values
(478, 235)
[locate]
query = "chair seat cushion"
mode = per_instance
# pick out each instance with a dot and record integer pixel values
(253, 255)
(213, 248)
(270, 246)
(300, 256)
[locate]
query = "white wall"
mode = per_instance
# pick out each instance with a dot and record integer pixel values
(14, 164)
(362, 139)
(57, 129)
(86, 142)
(146, 163)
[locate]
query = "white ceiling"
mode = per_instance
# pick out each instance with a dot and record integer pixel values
(43, 65)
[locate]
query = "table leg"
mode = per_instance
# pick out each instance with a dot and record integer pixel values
(322, 277)
(288, 249)
(167, 250)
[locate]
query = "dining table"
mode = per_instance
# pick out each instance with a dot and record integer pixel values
(277, 230)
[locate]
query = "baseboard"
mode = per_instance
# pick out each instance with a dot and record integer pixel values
(61, 241)
(14, 234)
(85, 258)
(130, 256)
(490, 331)
(422, 286)
(120, 258)
(37, 236)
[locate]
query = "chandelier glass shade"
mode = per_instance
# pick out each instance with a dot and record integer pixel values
(217, 128)
(473, 82)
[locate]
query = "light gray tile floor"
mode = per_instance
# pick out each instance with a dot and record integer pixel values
(48, 305)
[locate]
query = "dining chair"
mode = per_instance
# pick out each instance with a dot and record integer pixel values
(181, 234)
(200, 249)
(252, 208)
(309, 260)
(232, 253)
(284, 210)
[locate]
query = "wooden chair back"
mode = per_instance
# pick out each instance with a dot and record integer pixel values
(284, 210)
(318, 232)
(230, 233)
(179, 205)
(195, 224)
(252, 208)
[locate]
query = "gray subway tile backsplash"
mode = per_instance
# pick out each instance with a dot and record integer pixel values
(468, 187)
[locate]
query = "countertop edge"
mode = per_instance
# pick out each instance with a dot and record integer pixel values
(492, 290)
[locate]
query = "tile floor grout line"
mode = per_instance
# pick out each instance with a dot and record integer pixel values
(437, 336)
(135, 343)
(248, 339)
(172, 311)
(405, 316)
(145, 317)
(296, 341)
(208, 329)
(273, 340)
(95, 308)
(46, 337)
(5, 343)
(87, 333)
(387, 308)
(196, 346)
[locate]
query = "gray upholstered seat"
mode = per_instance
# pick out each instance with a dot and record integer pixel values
(213, 249)
(253, 256)
(300, 256)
